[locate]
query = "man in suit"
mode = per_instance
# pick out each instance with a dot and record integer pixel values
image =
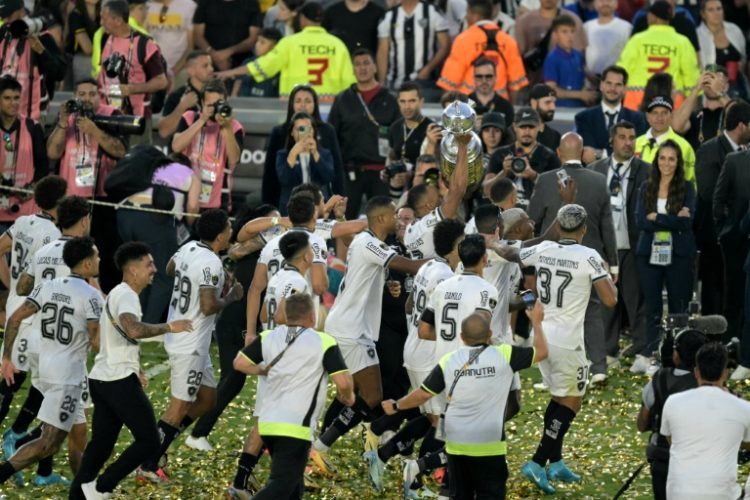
(729, 207)
(593, 195)
(625, 173)
(708, 162)
(594, 124)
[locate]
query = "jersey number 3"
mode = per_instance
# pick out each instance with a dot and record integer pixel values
(658, 64)
(316, 66)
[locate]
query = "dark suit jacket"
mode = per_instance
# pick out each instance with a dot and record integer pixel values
(683, 241)
(708, 162)
(593, 195)
(637, 175)
(592, 126)
(731, 195)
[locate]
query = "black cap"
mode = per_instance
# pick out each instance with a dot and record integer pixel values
(541, 90)
(664, 102)
(312, 10)
(493, 119)
(527, 116)
(661, 9)
(8, 7)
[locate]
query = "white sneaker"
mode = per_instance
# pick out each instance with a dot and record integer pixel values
(598, 378)
(740, 373)
(200, 443)
(91, 493)
(613, 362)
(641, 364)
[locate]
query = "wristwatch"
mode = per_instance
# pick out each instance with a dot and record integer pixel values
(395, 405)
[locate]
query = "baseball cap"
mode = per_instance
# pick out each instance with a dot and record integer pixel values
(541, 90)
(493, 119)
(571, 217)
(661, 9)
(664, 102)
(312, 10)
(527, 116)
(8, 7)
(511, 218)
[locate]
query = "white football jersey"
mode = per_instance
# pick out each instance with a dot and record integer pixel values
(451, 302)
(419, 355)
(272, 258)
(196, 267)
(357, 310)
(503, 275)
(323, 228)
(285, 283)
(47, 263)
(29, 234)
(418, 236)
(66, 306)
(565, 272)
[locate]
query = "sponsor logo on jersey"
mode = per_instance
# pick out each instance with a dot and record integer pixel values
(377, 249)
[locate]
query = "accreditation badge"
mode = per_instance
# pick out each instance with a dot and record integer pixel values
(208, 179)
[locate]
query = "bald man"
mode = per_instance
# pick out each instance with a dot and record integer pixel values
(590, 191)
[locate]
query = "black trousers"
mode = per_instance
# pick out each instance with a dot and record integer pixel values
(288, 461)
(117, 403)
(735, 253)
(711, 274)
(659, 478)
(365, 183)
(593, 335)
(480, 478)
(630, 304)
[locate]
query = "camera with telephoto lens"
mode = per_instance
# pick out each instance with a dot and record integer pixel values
(396, 167)
(27, 26)
(222, 108)
(78, 107)
(115, 66)
(518, 164)
(111, 124)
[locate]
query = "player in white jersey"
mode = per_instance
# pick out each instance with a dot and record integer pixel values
(27, 235)
(301, 209)
(565, 272)
(419, 354)
(354, 319)
(116, 378)
(428, 208)
(298, 254)
(69, 310)
(198, 284)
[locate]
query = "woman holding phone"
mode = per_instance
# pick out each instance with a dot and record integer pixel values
(303, 160)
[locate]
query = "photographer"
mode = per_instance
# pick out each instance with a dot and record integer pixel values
(23, 158)
(132, 67)
(212, 140)
(667, 381)
(86, 152)
(524, 160)
(199, 70)
(31, 56)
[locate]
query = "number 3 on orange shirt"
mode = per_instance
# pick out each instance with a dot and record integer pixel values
(662, 64)
(316, 74)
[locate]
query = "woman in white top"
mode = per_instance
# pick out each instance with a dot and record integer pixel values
(721, 42)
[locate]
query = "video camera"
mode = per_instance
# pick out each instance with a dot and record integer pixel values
(111, 124)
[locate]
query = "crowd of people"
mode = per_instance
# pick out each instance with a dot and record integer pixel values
(417, 267)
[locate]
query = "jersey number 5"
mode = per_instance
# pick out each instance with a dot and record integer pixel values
(450, 325)
(316, 73)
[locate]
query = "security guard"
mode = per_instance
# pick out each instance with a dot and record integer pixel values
(311, 56)
(476, 379)
(659, 49)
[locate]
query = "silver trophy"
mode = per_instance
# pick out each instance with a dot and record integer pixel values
(459, 119)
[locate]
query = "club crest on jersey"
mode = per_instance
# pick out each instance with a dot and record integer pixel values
(192, 391)
(493, 303)
(63, 416)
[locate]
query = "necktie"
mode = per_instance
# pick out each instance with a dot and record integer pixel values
(615, 184)
(610, 119)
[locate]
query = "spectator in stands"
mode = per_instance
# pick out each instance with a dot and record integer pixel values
(355, 22)
(408, 132)
(564, 68)
(302, 161)
(722, 42)
(283, 16)
(412, 42)
(247, 86)
(83, 21)
(503, 19)
(493, 133)
(170, 22)
(129, 90)
(542, 99)
(659, 117)
(35, 61)
(698, 119)
(607, 36)
(681, 20)
(362, 116)
(486, 100)
(328, 73)
(483, 39)
(585, 9)
(24, 155)
(227, 30)
(186, 98)
(594, 124)
(666, 245)
(637, 58)
(303, 98)
(212, 140)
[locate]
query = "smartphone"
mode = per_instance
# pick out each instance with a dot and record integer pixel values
(529, 299)
(711, 68)
(304, 131)
(562, 177)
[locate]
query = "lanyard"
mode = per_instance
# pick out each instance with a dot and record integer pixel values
(700, 127)
(15, 153)
(201, 142)
(367, 111)
(461, 372)
(408, 135)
